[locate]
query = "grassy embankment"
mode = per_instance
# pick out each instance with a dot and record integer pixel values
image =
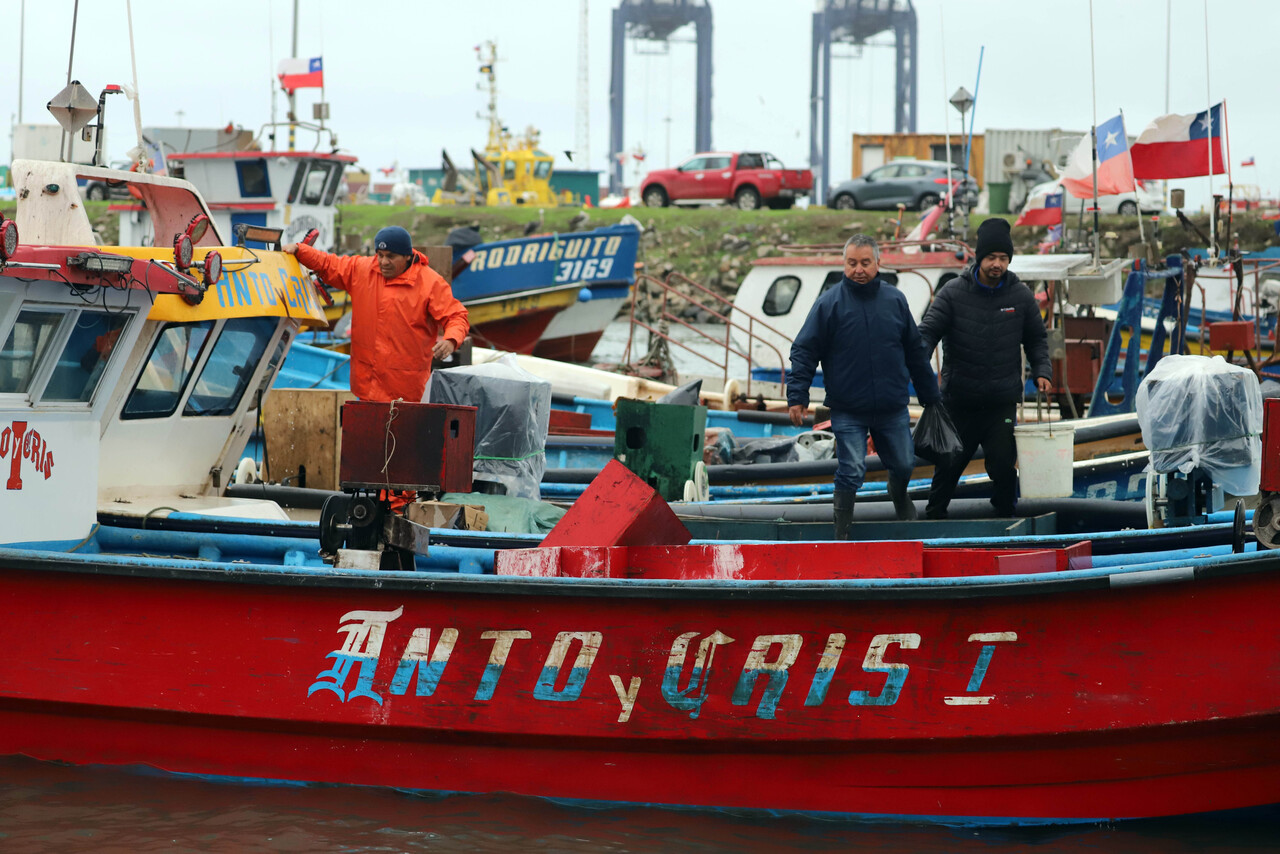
(714, 246)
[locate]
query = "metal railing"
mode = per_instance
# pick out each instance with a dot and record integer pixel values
(718, 307)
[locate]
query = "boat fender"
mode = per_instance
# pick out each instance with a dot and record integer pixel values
(247, 471)
(584, 295)
(732, 391)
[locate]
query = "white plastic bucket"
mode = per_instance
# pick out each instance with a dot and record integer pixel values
(1045, 453)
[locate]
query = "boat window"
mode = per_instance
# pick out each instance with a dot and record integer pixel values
(542, 170)
(298, 177)
(170, 365)
(335, 181)
(230, 366)
(252, 175)
(508, 170)
(317, 179)
(833, 278)
(85, 356)
(23, 349)
(781, 295)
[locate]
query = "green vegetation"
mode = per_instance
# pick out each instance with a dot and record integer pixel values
(716, 245)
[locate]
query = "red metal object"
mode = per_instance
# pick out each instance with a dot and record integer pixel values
(144, 274)
(405, 445)
(1270, 481)
(570, 348)
(1232, 335)
(1069, 701)
(1083, 363)
(618, 509)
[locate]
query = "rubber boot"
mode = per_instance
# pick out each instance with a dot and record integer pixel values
(902, 505)
(842, 512)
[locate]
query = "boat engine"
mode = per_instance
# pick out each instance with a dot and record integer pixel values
(392, 454)
(1201, 419)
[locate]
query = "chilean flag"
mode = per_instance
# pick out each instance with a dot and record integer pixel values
(1115, 170)
(1042, 209)
(1175, 146)
(301, 74)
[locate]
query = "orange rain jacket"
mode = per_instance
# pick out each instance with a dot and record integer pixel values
(394, 322)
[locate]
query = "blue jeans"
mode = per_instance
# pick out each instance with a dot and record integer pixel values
(890, 431)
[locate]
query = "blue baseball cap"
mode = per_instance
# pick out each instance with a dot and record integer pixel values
(395, 239)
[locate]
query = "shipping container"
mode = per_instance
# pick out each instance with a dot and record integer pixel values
(872, 150)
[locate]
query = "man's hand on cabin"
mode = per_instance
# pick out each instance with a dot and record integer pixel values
(1043, 384)
(444, 349)
(797, 415)
(289, 248)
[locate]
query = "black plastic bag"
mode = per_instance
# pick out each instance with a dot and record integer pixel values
(935, 437)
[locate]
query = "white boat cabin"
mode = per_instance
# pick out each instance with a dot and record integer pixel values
(294, 191)
(118, 390)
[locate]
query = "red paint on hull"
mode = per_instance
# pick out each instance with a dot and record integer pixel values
(518, 334)
(571, 348)
(1100, 702)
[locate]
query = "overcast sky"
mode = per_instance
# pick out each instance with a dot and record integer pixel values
(401, 75)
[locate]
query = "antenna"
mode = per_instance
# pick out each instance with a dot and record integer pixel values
(583, 140)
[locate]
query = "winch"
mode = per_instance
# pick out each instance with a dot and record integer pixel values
(392, 454)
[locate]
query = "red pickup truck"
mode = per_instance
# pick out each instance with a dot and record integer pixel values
(748, 179)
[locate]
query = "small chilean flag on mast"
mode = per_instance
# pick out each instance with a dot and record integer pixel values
(301, 74)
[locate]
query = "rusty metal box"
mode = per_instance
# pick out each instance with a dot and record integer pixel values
(414, 446)
(1232, 335)
(1270, 445)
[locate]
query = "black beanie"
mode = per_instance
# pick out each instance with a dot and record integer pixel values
(993, 236)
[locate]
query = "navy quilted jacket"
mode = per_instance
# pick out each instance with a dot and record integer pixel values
(983, 331)
(869, 347)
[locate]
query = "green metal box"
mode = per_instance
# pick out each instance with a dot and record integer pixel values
(661, 443)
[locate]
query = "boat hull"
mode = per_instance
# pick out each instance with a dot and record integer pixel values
(987, 702)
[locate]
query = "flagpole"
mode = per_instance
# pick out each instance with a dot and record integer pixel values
(1124, 132)
(1093, 80)
(1208, 89)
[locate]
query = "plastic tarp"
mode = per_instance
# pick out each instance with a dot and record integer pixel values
(510, 515)
(1199, 412)
(514, 410)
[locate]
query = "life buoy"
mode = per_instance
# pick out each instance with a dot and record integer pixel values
(133, 189)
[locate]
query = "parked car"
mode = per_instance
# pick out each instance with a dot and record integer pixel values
(1149, 199)
(918, 184)
(99, 191)
(748, 179)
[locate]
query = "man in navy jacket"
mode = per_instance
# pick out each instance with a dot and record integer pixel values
(862, 333)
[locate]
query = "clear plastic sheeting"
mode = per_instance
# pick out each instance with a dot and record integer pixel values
(514, 409)
(1199, 412)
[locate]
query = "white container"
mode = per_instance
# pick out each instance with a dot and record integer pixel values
(1045, 455)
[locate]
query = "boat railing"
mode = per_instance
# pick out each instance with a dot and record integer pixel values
(1248, 304)
(959, 248)
(719, 307)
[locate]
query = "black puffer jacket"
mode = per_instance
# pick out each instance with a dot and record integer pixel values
(981, 330)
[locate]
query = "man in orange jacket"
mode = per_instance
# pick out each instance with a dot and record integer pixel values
(398, 307)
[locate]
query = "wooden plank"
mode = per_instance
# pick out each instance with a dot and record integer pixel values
(301, 429)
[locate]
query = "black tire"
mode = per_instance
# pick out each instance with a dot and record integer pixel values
(97, 193)
(926, 201)
(780, 204)
(1128, 208)
(656, 197)
(747, 199)
(845, 202)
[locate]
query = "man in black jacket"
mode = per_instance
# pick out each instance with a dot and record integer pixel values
(863, 334)
(985, 318)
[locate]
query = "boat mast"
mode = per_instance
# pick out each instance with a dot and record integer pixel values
(496, 141)
(293, 93)
(1093, 79)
